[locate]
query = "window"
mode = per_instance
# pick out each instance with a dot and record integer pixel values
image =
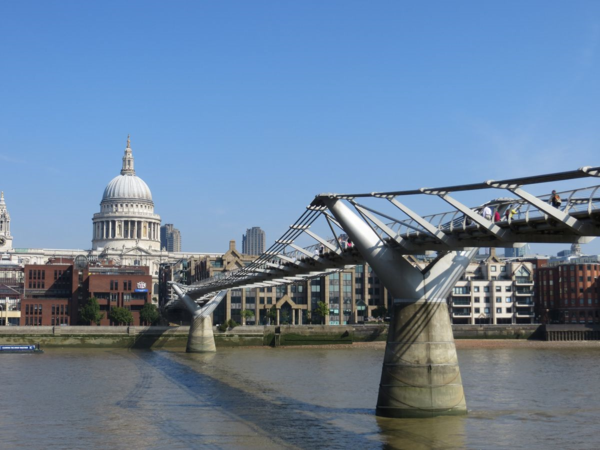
(508, 300)
(509, 310)
(475, 288)
(486, 289)
(477, 310)
(477, 299)
(486, 310)
(498, 288)
(498, 299)
(493, 268)
(507, 288)
(499, 310)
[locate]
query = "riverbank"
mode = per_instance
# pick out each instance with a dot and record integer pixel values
(371, 335)
(464, 344)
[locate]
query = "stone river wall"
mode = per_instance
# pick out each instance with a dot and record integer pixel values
(288, 335)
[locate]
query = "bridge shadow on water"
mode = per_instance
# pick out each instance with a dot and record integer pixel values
(281, 420)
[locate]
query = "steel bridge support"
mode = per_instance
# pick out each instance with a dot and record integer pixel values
(420, 375)
(201, 338)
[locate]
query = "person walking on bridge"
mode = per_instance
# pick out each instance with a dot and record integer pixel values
(487, 213)
(555, 200)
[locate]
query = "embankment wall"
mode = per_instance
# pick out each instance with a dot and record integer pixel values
(288, 335)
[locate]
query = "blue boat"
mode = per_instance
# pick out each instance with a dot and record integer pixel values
(21, 349)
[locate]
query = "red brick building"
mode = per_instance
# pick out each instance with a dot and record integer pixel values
(54, 293)
(48, 293)
(570, 292)
(113, 286)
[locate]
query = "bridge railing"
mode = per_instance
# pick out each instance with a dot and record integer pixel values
(583, 200)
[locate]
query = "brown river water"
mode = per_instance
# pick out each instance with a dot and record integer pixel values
(261, 398)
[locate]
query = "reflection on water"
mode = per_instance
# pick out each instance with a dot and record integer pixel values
(287, 398)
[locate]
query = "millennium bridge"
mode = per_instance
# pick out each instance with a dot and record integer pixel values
(421, 375)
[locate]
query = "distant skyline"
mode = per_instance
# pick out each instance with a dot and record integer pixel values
(241, 112)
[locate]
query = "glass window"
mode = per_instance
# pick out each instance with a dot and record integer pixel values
(493, 268)
(498, 310)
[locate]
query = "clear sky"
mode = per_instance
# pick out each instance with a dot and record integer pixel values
(240, 112)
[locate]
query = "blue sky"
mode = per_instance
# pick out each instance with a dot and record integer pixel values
(240, 112)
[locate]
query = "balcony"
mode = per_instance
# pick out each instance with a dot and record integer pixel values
(524, 303)
(523, 291)
(462, 312)
(461, 291)
(461, 302)
(523, 281)
(525, 313)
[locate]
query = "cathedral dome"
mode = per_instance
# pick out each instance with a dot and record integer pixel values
(126, 219)
(127, 187)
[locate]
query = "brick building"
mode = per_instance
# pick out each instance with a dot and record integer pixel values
(570, 292)
(54, 293)
(115, 286)
(48, 293)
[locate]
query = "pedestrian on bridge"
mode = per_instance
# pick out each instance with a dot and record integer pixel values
(487, 213)
(555, 200)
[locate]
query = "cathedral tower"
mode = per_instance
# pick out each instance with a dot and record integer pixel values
(5, 237)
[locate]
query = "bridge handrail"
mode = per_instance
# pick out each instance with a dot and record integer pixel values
(453, 220)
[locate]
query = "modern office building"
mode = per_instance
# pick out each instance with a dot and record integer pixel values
(170, 238)
(253, 242)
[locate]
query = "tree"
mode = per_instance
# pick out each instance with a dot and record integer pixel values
(149, 314)
(120, 316)
(90, 312)
(272, 314)
(247, 314)
(322, 310)
(380, 311)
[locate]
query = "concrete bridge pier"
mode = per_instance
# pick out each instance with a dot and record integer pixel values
(420, 375)
(201, 338)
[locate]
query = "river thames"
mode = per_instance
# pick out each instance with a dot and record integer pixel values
(520, 398)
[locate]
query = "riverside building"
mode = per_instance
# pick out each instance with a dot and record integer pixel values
(570, 291)
(494, 292)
